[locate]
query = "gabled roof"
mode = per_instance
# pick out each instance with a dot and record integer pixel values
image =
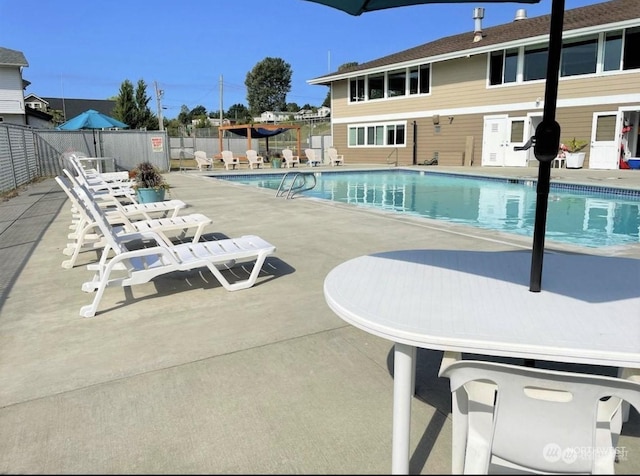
(30, 96)
(74, 107)
(608, 12)
(12, 57)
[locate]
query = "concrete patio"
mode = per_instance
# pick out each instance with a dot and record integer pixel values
(179, 376)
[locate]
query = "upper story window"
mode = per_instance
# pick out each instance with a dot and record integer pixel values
(612, 51)
(579, 57)
(356, 89)
(503, 66)
(398, 82)
(535, 63)
(375, 88)
(631, 56)
(419, 79)
(590, 54)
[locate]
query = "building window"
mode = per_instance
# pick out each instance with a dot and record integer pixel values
(503, 67)
(356, 89)
(395, 134)
(631, 58)
(579, 57)
(612, 51)
(591, 54)
(396, 83)
(377, 135)
(419, 79)
(375, 88)
(535, 63)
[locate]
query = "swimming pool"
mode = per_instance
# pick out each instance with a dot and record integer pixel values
(577, 214)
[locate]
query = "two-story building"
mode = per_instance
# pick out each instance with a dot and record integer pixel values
(12, 86)
(469, 99)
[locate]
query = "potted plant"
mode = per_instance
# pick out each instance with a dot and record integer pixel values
(149, 184)
(570, 150)
(276, 161)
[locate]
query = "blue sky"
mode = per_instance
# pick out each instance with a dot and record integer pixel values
(87, 48)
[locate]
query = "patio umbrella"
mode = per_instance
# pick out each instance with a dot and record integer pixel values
(547, 137)
(91, 119)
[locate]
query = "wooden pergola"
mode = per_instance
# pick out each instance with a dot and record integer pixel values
(259, 131)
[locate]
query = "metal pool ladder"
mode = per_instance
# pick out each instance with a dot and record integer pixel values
(299, 182)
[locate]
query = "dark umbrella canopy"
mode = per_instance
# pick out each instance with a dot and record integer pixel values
(357, 7)
(547, 138)
(91, 119)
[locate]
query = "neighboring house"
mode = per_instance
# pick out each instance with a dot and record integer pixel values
(285, 116)
(12, 86)
(470, 98)
(38, 119)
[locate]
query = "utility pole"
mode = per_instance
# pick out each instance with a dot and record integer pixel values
(159, 94)
(221, 115)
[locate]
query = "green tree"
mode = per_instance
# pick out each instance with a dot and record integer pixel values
(198, 111)
(292, 107)
(185, 115)
(125, 109)
(145, 118)
(238, 112)
(267, 85)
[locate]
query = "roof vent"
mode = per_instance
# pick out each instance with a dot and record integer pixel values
(478, 15)
(521, 14)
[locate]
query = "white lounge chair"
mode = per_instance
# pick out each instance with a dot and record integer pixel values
(334, 157)
(85, 237)
(290, 159)
(229, 159)
(312, 160)
(254, 159)
(202, 160)
(529, 420)
(137, 266)
(123, 190)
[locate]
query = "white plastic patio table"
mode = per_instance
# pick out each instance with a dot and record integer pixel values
(588, 312)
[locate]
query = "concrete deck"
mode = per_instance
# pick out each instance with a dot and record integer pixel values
(179, 376)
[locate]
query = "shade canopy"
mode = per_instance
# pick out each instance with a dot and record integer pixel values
(91, 119)
(547, 137)
(259, 131)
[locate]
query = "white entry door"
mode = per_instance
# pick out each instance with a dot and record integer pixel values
(501, 134)
(605, 130)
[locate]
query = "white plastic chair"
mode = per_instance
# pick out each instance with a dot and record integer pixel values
(334, 157)
(254, 159)
(202, 160)
(514, 418)
(290, 159)
(312, 160)
(229, 159)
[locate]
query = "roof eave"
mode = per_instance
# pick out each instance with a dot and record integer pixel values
(476, 50)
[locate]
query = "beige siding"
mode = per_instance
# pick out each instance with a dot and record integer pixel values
(461, 84)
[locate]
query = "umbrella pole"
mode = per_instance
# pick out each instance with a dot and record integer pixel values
(95, 145)
(547, 142)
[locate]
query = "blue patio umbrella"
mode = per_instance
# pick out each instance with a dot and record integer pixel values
(547, 137)
(91, 119)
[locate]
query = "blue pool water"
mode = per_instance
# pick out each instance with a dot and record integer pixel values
(580, 215)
